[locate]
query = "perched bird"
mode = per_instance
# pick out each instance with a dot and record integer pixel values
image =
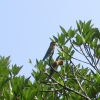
(50, 50)
(55, 66)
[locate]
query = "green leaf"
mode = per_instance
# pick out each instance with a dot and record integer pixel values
(87, 38)
(68, 57)
(51, 39)
(98, 78)
(60, 53)
(71, 33)
(37, 61)
(16, 69)
(99, 52)
(66, 49)
(78, 26)
(67, 68)
(34, 73)
(63, 30)
(79, 39)
(95, 43)
(16, 89)
(40, 65)
(92, 37)
(25, 82)
(86, 27)
(72, 52)
(7, 95)
(30, 61)
(62, 39)
(55, 38)
(4, 81)
(59, 39)
(70, 48)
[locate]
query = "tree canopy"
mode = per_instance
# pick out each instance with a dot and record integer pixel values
(71, 81)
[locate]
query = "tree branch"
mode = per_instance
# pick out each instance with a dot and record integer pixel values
(89, 61)
(73, 57)
(77, 80)
(69, 89)
(75, 48)
(51, 90)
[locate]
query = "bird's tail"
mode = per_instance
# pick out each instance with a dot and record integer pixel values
(43, 59)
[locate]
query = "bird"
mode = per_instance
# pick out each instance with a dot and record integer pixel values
(50, 50)
(55, 66)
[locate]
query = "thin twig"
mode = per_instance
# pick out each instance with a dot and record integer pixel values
(75, 48)
(88, 51)
(97, 62)
(73, 57)
(67, 40)
(80, 60)
(89, 61)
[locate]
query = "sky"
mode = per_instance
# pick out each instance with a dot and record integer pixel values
(27, 25)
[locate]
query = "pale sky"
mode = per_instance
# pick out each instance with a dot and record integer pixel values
(26, 25)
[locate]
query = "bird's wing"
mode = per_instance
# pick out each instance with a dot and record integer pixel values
(52, 70)
(48, 53)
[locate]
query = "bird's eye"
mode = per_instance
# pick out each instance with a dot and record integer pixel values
(54, 44)
(61, 63)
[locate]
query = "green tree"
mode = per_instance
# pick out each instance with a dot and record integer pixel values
(71, 82)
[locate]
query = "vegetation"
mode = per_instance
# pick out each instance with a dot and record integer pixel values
(71, 81)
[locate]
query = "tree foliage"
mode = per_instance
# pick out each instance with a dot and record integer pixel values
(71, 82)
